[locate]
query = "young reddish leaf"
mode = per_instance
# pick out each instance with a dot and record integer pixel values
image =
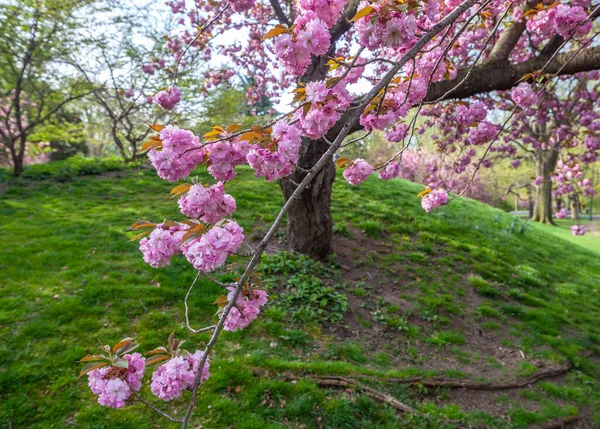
(424, 192)
(274, 32)
(194, 232)
(122, 343)
(233, 128)
(151, 144)
(342, 162)
(92, 358)
(306, 108)
(141, 224)
(140, 235)
(90, 367)
(157, 358)
(362, 13)
(157, 350)
(171, 339)
(212, 135)
(250, 136)
(157, 128)
(169, 224)
(221, 301)
(181, 189)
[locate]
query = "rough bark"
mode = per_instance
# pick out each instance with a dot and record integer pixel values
(17, 160)
(501, 75)
(310, 226)
(545, 163)
(309, 229)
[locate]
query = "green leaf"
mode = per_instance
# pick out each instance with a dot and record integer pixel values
(122, 363)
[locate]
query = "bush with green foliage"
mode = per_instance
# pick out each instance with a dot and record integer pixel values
(71, 168)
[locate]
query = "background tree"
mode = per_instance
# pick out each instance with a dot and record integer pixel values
(38, 38)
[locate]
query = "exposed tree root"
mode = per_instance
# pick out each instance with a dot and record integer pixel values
(473, 385)
(560, 423)
(369, 391)
(351, 382)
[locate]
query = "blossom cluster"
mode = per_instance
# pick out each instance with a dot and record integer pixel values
(179, 154)
(209, 251)
(523, 95)
(210, 204)
(273, 163)
(167, 99)
(578, 230)
(385, 27)
(357, 171)
(224, 156)
(309, 37)
(434, 199)
(170, 379)
(114, 385)
(246, 309)
(162, 244)
(325, 108)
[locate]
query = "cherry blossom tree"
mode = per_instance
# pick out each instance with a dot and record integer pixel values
(351, 67)
(491, 51)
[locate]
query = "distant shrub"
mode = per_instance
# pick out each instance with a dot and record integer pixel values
(71, 168)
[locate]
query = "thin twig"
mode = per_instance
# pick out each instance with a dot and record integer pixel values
(153, 408)
(187, 319)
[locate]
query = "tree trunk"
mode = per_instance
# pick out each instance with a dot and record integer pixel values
(309, 228)
(574, 208)
(16, 157)
(545, 163)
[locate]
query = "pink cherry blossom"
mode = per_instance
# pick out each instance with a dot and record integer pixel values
(180, 153)
(523, 95)
(170, 379)
(162, 244)
(168, 99)
(113, 385)
(246, 309)
(358, 171)
(210, 204)
(434, 199)
(209, 251)
(578, 230)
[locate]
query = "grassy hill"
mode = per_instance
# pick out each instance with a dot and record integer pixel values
(465, 294)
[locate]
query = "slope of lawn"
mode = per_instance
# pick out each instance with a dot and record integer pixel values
(465, 292)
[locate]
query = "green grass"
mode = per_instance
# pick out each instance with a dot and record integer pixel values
(591, 240)
(69, 276)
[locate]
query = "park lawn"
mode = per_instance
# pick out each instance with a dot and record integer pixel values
(591, 240)
(427, 294)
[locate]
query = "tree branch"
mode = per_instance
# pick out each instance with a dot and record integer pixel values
(501, 76)
(280, 14)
